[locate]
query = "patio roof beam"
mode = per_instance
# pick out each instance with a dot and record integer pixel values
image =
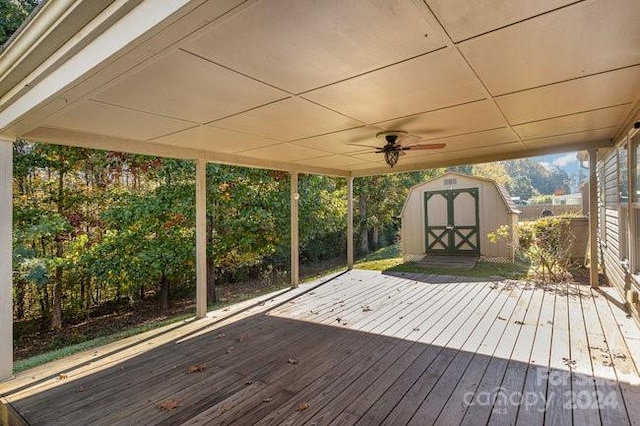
(6, 250)
(201, 238)
(107, 143)
(593, 219)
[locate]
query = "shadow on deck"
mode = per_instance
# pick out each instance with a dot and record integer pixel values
(365, 349)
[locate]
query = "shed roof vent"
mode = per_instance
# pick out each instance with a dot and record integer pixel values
(451, 181)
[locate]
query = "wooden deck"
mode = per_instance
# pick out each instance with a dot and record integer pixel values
(367, 349)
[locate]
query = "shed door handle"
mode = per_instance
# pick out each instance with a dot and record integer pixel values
(449, 227)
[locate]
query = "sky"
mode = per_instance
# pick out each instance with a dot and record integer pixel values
(568, 161)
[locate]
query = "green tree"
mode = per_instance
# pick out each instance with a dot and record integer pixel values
(12, 14)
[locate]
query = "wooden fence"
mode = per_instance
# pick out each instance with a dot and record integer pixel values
(535, 211)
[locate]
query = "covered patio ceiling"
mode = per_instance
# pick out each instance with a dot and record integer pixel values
(292, 85)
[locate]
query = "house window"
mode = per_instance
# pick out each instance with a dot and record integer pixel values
(623, 177)
(623, 206)
(602, 222)
(635, 204)
(635, 166)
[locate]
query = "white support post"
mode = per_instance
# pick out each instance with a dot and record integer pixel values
(6, 253)
(593, 219)
(201, 238)
(295, 258)
(350, 223)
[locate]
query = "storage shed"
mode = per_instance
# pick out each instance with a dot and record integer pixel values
(452, 215)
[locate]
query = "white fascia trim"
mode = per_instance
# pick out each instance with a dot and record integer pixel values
(135, 24)
(30, 36)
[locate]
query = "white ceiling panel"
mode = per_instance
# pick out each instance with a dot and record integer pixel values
(471, 141)
(584, 94)
(592, 120)
(293, 84)
(108, 120)
(286, 152)
(472, 117)
(463, 19)
(335, 161)
(288, 120)
(481, 153)
(433, 81)
(342, 142)
(573, 138)
(190, 88)
(585, 38)
(213, 139)
(302, 44)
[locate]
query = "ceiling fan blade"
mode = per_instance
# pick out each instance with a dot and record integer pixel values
(427, 146)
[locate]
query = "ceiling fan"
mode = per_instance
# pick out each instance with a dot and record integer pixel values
(397, 142)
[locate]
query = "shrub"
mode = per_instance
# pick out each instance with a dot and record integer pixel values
(547, 243)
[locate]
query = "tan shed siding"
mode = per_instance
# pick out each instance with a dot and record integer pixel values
(493, 214)
(492, 210)
(413, 224)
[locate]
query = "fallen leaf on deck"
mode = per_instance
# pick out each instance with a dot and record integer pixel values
(344, 323)
(220, 335)
(196, 368)
(62, 376)
(519, 322)
(168, 405)
(248, 382)
(292, 361)
(339, 319)
(620, 356)
(230, 350)
(267, 399)
(366, 309)
(503, 319)
(569, 362)
(82, 389)
(240, 339)
(303, 406)
(416, 329)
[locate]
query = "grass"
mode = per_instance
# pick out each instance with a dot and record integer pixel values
(388, 259)
(25, 364)
(34, 361)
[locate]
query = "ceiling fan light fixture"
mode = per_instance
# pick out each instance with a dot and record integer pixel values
(391, 157)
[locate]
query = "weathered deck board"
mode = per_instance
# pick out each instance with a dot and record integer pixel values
(559, 384)
(408, 349)
(583, 389)
(602, 365)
